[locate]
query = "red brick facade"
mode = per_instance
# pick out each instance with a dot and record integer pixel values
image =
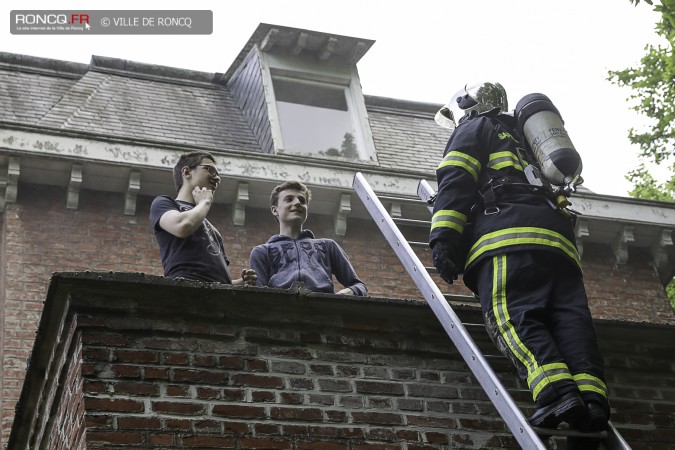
(40, 236)
(165, 365)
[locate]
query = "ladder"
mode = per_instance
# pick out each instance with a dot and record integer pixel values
(527, 436)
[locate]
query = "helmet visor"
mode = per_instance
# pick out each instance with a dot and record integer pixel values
(481, 97)
(444, 118)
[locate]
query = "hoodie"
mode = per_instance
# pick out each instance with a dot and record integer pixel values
(284, 260)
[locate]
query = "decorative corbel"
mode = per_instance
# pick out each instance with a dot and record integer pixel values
(10, 183)
(620, 244)
(269, 40)
(300, 44)
(328, 48)
(239, 204)
(581, 232)
(74, 186)
(343, 209)
(358, 52)
(659, 253)
(395, 210)
(132, 191)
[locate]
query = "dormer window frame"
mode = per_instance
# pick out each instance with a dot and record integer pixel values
(306, 70)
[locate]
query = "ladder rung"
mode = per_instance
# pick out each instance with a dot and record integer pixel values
(520, 391)
(401, 200)
(413, 222)
(418, 244)
(474, 326)
(467, 299)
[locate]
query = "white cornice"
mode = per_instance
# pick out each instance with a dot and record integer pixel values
(625, 209)
(248, 166)
(47, 157)
(231, 164)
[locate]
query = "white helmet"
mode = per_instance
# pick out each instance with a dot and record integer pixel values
(481, 97)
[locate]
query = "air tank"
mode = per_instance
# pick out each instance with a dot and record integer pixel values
(539, 121)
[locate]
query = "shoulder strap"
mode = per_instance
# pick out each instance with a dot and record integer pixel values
(488, 184)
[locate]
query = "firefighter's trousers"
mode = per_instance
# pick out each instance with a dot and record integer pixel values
(536, 310)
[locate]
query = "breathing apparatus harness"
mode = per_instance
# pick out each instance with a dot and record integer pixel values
(551, 164)
(555, 196)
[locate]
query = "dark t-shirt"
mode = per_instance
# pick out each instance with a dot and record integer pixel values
(200, 256)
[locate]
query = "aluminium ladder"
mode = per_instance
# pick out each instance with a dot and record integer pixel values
(526, 435)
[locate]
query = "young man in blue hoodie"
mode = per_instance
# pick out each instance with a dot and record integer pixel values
(295, 255)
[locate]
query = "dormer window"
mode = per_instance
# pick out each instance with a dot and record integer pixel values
(300, 93)
(316, 118)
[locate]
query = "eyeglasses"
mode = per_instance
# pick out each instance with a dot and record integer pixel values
(212, 170)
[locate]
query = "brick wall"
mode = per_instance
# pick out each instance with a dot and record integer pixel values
(69, 420)
(40, 236)
(630, 292)
(4, 425)
(177, 365)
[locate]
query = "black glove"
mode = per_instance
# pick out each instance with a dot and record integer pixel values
(441, 255)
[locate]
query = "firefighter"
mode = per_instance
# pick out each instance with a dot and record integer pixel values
(518, 254)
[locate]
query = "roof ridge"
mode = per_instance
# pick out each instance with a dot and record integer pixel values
(399, 112)
(39, 65)
(155, 72)
(397, 103)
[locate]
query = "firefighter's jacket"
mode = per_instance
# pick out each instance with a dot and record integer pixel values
(485, 150)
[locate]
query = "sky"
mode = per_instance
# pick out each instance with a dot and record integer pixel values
(425, 50)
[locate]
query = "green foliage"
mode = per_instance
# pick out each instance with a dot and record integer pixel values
(670, 291)
(653, 86)
(645, 186)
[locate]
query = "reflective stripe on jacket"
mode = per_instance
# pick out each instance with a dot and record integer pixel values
(486, 148)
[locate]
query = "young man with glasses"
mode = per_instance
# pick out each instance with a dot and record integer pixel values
(190, 247)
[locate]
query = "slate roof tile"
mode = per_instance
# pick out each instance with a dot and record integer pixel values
(26, 97)
(402, 136)
(194, 112)
(126, 106)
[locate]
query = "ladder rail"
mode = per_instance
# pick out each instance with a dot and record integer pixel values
(614, 440)
(426, 192)
(513, 417)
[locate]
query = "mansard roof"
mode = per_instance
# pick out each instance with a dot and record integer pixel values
(61, 122)
(116, 98)
(123, 99)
